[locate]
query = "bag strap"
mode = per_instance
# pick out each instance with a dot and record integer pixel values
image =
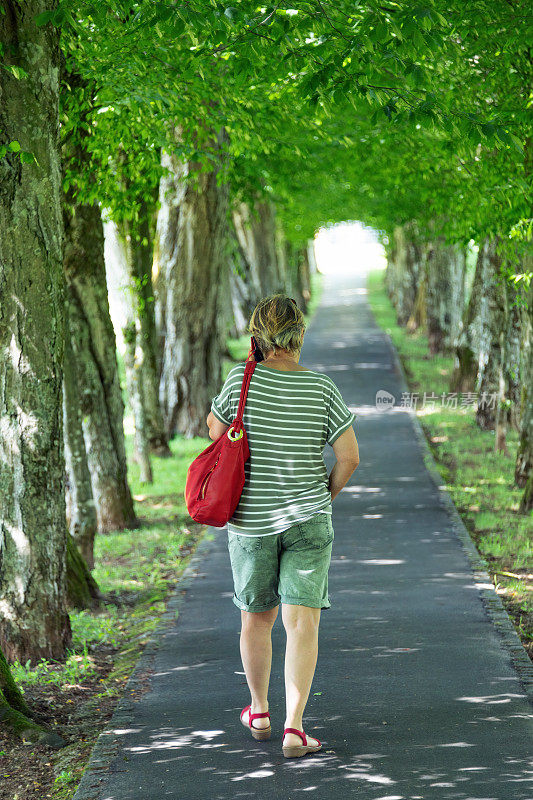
(251, 364)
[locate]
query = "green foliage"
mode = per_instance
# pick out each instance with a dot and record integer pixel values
(75, 668)
(382, 112)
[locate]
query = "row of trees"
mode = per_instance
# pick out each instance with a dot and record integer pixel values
(165, 186)
(216, 140)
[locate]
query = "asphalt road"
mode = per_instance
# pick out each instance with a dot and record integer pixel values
(421, 688)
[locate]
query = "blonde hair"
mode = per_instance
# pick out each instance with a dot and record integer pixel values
(277, 322)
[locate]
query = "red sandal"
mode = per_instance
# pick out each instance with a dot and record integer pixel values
(257, 733)
(300, 749)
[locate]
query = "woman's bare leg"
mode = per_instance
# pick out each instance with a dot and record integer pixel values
(301, 626)
(256, 654)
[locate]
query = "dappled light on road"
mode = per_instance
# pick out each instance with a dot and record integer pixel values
(405, 698)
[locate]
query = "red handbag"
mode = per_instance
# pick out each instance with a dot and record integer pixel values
(215, 478)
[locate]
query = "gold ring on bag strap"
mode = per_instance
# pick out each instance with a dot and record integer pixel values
(233, 438)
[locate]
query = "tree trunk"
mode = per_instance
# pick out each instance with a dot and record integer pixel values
(311, 256)
(192, 233)
(131, 302)
(281, 254)
(33, 617)
(512, 365)
(418, 317)
(265, 226)
(133, 369)
(404, 265)
(160, 290)
(137, 243)
(239, 289)
(524, 458)
(245, 289)
(142, 259)
(526, 503)
(304, 278)
(493, 332)
(446, 266)
(467, 349)
(508, 374)
(94, 345)
(81, 513)
(15, 714)
(293, 270)
(298, 274)
(82, 588)
(255, 228)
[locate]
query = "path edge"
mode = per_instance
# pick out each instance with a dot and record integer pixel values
(491, 601)
(107, 745)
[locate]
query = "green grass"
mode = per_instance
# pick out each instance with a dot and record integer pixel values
(140, 565)
(137, 568)
(76, 667)
(480, 480)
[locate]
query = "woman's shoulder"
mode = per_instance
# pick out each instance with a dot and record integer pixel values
(237, 371)
(298, 371)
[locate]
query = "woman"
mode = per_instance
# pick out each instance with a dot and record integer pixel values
(281, 534)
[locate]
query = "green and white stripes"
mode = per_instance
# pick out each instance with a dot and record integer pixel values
(288, 418)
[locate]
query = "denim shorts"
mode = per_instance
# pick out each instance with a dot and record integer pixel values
(287, 567)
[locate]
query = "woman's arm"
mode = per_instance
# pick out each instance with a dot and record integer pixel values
(217, 428)
(346, 452)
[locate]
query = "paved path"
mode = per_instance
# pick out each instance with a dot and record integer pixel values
(421, 685)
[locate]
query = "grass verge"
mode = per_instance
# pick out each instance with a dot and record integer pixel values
(138, 571)
(479, 480)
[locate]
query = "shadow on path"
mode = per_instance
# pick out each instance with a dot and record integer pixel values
(415, 695)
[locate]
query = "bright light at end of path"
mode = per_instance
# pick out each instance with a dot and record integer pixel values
(348, 247)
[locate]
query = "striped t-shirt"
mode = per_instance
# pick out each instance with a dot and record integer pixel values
(288, 418)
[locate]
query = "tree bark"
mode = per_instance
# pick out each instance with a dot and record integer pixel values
(81, 512)
(492, 336)
(404, 265)
(311, 256)
(192, 234)
(131, 301)
(255, 228)
(94, 345)
(142, 249)
(33, 617)
(82, 589)
(133, 369)
(136, 240)
(281, 254)
(524, 458)
(418, 317)
(508, 369)
(296, 278)
(445, 269)
(245, 289)
(239, 288)
(467, 350)
(513, 368)
(304, 278)
(160, 291)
